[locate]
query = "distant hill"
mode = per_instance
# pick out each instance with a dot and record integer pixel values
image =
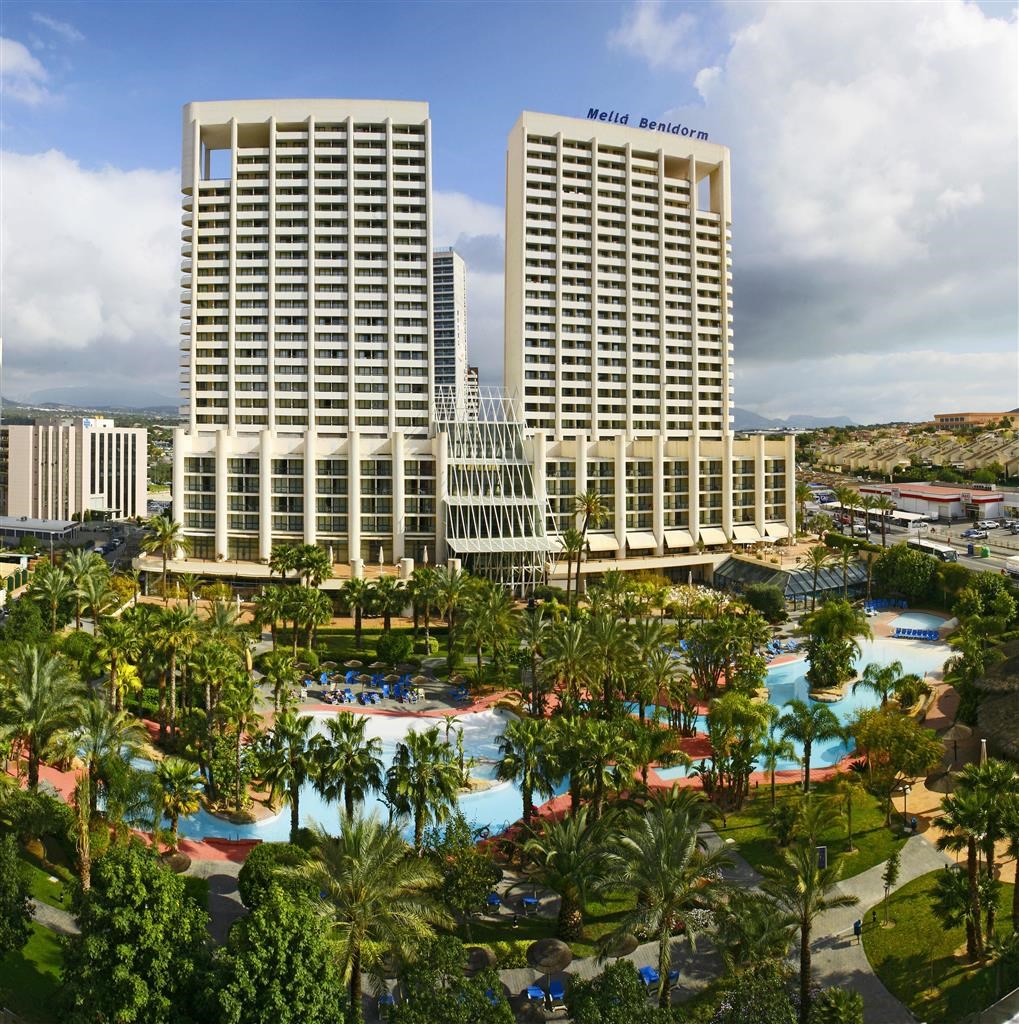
(103, 398)
(745, 419)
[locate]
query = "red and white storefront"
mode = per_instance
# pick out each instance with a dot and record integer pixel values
(944, 503)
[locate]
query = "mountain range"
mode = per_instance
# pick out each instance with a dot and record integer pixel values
(745, 419)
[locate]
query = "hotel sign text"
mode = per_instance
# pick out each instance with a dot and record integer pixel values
(670, 127)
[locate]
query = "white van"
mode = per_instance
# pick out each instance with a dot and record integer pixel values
(987, 524)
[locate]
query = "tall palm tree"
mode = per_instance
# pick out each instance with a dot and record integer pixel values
(868, 503)
(848, 499)
(803, 495)
(424, 589)
(568, 857)
(51, 587)
(280, 672)
(771, 750)
(802, 891)
(271, 607)
(610, 649)
(809, 724)
(816, 559)
(881, 680)
(347, 761)
(313, 565)
(104, 738)
(588, 504)
(42, 703)
(649, 743)
(180, 785)
(388, 598)
(379, 898)
(354, 594)
(283, 559)
(845, 557)
(237, 709)
(423, 780)
(662, 861)
(453, 589)
(527, 757)
(884, 505)
(962, 821)
(80, 565)
(847, 786)
(603, 762)
(314, 608)
(211, 664)
(165, 538)
(567, 658)
(95, 595)
(286, 761)
(176, 633)
(119, 641)
(573, 545)
(533, 629)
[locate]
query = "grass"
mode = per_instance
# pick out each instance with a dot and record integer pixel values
(30, 977)
(917, 959)
(39, 873)
(197, 889)
(755, 842)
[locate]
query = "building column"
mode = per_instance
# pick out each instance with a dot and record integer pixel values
(265, 495)
(658, 493)
(620, 486)
(790, 484)
(759, 482)
(222, 454)
(399, 496)
(539, 456)
(178, 473)
(354, 495)
(694, 477)
(310, 489)
(441, 494)
(727, 482)
(580, 466)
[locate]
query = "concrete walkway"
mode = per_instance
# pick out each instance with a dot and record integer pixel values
(225, 905)
(54, 918)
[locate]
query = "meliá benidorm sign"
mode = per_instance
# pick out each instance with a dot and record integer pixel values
(669, 127)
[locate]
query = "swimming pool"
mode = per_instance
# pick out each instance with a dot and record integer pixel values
(789, 682)
(917, 620)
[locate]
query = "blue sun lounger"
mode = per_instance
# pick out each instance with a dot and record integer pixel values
(557, 994)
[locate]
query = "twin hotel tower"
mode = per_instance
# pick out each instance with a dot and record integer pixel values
(323, 352)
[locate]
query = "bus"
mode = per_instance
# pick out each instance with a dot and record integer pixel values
(944, 552)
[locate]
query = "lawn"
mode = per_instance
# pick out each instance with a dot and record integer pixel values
(30, 978)
(39, 875)
(756, 844)
(342, 647)
(918, 953)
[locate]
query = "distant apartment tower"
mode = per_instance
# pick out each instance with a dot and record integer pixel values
(449, 297)
(306, 345)
(73, 468)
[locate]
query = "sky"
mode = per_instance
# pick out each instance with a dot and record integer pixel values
(874, 156)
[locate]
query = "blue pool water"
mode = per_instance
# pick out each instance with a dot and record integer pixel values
(501, 804)
(789, 682)
(917, 620)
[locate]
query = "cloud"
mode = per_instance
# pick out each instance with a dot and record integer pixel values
(662, 41)
(91, 274)
(22, 77)
(874, 192)
(475, 230)
(63, 29)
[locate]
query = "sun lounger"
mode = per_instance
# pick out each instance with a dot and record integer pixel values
(650, 977)
(535, 994)
(385, 691)
(557, 994)
(529, 903)
(348, 696)
(494, 900)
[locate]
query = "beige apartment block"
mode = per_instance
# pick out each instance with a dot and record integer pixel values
(63, 469)
(449, 288)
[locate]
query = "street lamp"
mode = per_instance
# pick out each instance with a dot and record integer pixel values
(905, 794)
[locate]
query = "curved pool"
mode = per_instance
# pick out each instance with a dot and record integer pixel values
(917, 620)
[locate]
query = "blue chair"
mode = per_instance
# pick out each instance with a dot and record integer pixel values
(494, 900)
(529, 903)
(557, 994)
(348, 696)
(650, 977)
(385, 691)
(535, 994)
(386, 1000)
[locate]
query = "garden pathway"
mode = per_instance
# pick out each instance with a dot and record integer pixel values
(54, 918)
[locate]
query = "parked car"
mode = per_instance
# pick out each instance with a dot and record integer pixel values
(987, 524)
(974, 534)
(859, 530)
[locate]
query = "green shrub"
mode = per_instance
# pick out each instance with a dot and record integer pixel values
(835, 541)
(509, 954)
(394, 647)
(309, 658)
(265, 865)
(768, 599)
(429, 648)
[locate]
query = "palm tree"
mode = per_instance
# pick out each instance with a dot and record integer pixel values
(380, 900)
(573, 545)
(847, 785)
(568, 857)
(527, 757)
(105, 738)
(283, 558)
(880, 680)
(188, 582)
(649, 743)
(180, 784)
(602, 762)
(848, 499)
(425, 588)
(748, 932)
(611, 651)
(280, 672)
(51, 587)
(313, 565)
(286, 760)
(845, 557)
(42, 703)
(314, 608)
(237, 709)
(884, 505)
(803, 495)
(348, 762)
(95, 595)
(567, 658)
(165, 538)
(271, 607)
(816, 559)
(119, 641)
(589, 505)
(81, 802)
(423, 780)
(962, 822)
(802, 891)
(388, 598)
(773, 749)
(176, 633)
(809, 724)
(453, 588)
(533, 630)
(79, 566)
(354, 594)
(661, 860)
(868, 503)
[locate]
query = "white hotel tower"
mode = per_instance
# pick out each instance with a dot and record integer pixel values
(315, 413)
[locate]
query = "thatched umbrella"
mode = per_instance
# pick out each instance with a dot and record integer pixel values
(550, 956)
(392, 678)
(353, 663)
(327, 664)
(375, 666)
(405, 667)
(478, 958)
(420, 680)
(622, 945)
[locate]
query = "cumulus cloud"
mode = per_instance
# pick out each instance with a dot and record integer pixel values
(90, 274)
(22, 76)
(475, 230)
(874, 190)
(664, 40)
(64, 29)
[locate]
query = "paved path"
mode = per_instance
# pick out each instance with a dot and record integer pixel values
(225, 905)
(54, 918)
(839, 960)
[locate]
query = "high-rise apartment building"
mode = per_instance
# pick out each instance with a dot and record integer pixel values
(449, 298)
(72, 468)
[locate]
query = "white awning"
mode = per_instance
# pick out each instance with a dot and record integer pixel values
(641, 541)
(602, 542)
(679, 538)
(777, 530)
(713, 535)
(499, 545)
(745, 535)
